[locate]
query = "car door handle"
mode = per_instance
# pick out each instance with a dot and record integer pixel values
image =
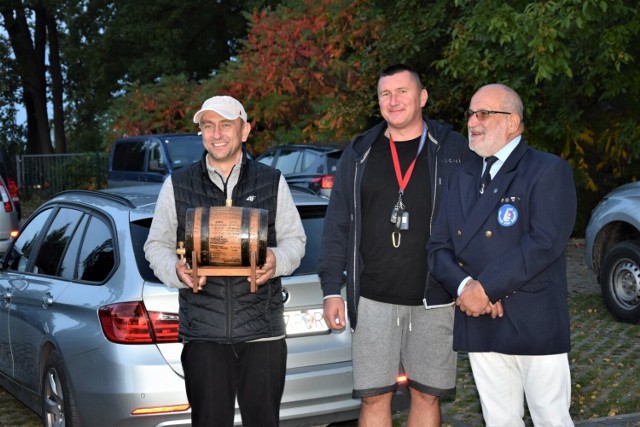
(7, 297)
(47, 300)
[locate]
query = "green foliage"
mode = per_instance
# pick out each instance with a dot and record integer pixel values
(416, 32)
(10, 131)
(573, 63)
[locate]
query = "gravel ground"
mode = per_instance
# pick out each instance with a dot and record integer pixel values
(465, 410)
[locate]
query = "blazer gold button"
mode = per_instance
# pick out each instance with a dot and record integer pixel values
(460, 264)
(488, 234)
(459, 233)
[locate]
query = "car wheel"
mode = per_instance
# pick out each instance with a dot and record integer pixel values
(58, 405)
(620, 281)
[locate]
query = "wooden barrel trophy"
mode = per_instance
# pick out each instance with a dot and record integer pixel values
(225, 241)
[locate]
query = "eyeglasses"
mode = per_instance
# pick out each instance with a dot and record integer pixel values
(482, 115)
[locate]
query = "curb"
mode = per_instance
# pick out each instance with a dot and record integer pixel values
(629, 420)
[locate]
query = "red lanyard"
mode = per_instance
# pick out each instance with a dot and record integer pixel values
(403, 181)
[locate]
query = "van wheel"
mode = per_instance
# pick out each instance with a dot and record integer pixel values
(58, 404)
(620, 281)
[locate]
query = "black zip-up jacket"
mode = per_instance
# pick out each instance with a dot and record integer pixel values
(341, 238)
(225, 310)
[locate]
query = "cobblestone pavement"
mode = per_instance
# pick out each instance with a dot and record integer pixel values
(581, 281)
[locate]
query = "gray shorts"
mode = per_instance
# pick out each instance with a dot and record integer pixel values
(419, 340)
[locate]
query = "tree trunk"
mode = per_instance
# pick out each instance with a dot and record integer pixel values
(30, 59)
(57, 90)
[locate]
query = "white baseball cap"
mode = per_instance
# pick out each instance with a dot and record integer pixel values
(226, 106)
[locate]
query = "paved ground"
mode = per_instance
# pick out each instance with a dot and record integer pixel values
(581, 280)
(465, 410)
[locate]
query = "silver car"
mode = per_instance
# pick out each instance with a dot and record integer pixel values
(89, 336)
(612, 250)
(9, 220)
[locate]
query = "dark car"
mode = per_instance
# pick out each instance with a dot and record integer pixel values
(89, 335)
(307, 166)
(148, 159)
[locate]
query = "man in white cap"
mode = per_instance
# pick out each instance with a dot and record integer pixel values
(234, 339)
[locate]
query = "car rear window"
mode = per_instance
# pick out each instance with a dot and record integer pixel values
(313, 223)
(139, 233)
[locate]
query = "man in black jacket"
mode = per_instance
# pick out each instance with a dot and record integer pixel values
(234, 339)
(377, 226)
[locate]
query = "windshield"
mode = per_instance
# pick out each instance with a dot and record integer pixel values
(184, 150)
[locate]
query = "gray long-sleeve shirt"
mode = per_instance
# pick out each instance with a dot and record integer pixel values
(160, 247)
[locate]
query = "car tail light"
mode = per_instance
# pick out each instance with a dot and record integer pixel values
(6, 200)
(131, 323)
(327, 182)
(13, 190)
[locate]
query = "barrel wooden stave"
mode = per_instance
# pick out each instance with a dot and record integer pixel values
(226, 235)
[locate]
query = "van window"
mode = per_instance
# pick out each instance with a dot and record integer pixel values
(128, 156)
(157, 162)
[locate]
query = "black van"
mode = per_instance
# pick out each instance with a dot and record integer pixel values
(139, 160)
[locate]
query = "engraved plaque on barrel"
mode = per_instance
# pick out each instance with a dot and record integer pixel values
(226, 235)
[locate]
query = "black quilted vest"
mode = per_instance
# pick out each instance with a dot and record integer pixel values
(225, 310)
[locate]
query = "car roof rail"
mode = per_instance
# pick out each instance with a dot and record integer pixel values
(114, 197)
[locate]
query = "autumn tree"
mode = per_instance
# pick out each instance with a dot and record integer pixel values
(164, 107)
(304, 71)
(304, 74)
(115, 45)
(307, 72)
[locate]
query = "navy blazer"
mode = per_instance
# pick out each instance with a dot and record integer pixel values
(512, 239)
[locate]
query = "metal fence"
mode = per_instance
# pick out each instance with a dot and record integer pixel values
(43, 175)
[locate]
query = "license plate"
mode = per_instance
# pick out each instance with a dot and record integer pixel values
(305, 322)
